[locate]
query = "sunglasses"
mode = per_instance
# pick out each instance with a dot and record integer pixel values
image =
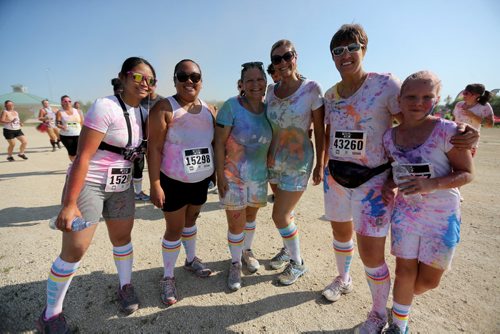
(351, 48)
(138, 77)
(252, 64)
(183, 77)
(276, 60)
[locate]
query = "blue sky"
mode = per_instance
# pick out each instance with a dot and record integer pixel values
(75, 47)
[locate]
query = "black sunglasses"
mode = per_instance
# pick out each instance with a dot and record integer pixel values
(276, 60)
(252, 64)
(183, 77)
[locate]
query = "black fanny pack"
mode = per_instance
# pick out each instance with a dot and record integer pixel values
(351, 175)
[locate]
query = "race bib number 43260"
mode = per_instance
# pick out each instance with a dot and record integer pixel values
(348, 143)
(197, 160)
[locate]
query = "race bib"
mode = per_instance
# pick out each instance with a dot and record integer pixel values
(423, 170)
(73, 125)
(118, 179)
(348, 143)
(197, 160)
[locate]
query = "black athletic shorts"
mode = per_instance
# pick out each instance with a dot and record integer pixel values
(11, 134)
(71, 144)
(179, 194)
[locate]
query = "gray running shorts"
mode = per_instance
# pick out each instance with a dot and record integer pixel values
(94, 201)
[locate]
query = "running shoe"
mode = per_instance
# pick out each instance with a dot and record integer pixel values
(212, 188)
(22, 156)
(373, 324)
(250, 261)
(280, 260)
(337, 288)
(292, 273)
(53, 149)
(394, 329)
(168, 292)
(129, 303)
(10, 159)
(142, 197)
(234, 277)
(197, 268)
(59, 145)
(56, 324)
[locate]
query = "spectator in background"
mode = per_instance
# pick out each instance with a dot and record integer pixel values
(48, 118)
(147, 103)
(12, 130)
(474, 109)
(69, 121)
(272, 72)
(117, 86)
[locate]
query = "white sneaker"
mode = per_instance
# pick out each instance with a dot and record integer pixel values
(234, 277)
(250, 261)
(337, 288)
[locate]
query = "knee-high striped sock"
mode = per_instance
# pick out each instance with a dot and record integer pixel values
(292, 220)
(124, 259)
(400, 315)
(189, 242)
(290, 235)
(61, 274)
(379, 281)
(170, 253)
(249, 234)
(343, 257)
(235, 243)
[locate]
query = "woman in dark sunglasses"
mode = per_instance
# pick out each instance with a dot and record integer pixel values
(181, 165)
(242, 139)
(99, 184)
(292, 104)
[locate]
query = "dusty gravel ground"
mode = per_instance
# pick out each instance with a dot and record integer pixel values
(467, 300)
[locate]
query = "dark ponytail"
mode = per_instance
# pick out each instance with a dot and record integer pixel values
(483, 99)
(484, 95)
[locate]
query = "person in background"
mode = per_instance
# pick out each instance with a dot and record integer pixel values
(99, 184)
(425, 227)
(474, 109)
(181, 164)
(274, 74)
(242, 139)
(12, 130)
(147, 103)
(69, 121)
(48, 117)
(117, 86)
(292, 104)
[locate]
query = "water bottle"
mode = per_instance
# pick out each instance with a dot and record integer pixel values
(77, 224)
(399, 171)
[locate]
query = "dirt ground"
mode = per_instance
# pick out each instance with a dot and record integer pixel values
(467, 300)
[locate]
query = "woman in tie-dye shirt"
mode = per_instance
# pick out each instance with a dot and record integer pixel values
(425, 230)
(292, 104)
(181, 164)
(242, 139)
(99, 184)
